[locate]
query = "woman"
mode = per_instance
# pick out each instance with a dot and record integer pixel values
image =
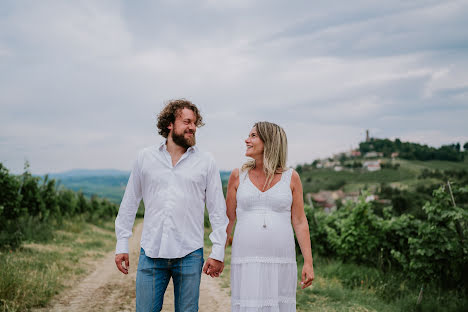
(266, 197)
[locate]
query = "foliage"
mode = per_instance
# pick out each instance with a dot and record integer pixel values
(406, 201)
(359, 236)
(439, 251)
(30, 206)
(460, 176)
(412, 151)
(431, 249)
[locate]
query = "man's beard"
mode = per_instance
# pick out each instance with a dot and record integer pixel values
(180, 139)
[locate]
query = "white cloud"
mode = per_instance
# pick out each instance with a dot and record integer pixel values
(94, 74)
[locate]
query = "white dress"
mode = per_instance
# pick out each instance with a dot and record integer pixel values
(263, 262)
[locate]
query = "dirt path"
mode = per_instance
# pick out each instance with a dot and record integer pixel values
(106, 289)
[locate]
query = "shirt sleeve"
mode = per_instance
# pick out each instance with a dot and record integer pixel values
(128, 208)
(216, 207)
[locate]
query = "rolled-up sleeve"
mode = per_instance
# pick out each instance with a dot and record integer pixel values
(128, 208)
(216, 207)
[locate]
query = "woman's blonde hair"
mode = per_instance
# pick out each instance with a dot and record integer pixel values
(275, 150)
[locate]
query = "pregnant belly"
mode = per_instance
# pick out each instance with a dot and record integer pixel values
(263, 235)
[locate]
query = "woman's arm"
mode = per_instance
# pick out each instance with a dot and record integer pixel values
(231, 202)
(301, 227)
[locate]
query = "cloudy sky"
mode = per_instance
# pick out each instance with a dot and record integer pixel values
(81, 82)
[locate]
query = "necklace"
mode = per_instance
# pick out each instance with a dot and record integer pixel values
(257, 181)
(263, 194)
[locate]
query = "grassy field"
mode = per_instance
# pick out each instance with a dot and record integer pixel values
(433, 164)
(33, 274)
(405, 177)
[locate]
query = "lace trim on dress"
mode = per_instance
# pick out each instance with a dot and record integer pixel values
(239, 260)
(263, 303)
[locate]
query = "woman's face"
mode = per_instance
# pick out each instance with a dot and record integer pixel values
(254, 145)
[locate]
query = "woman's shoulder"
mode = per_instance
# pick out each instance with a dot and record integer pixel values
(234, 177)
(235, 173)
(288, 172)
(291, 175)
(293, 172)
(295, 182)
(239, 175)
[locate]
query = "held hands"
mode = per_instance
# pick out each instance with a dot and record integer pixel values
(213, 267)
(307, 275)
(119, 258)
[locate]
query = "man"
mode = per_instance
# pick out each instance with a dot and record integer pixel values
(175, 181)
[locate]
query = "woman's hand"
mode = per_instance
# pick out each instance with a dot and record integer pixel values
(307, 275)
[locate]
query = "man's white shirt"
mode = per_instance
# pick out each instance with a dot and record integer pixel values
(174, 198)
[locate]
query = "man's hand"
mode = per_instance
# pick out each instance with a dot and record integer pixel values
(119, 258)
(213, 267)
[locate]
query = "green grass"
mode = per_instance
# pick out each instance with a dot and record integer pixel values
(330, 293)
(37, 271)
(349, 287)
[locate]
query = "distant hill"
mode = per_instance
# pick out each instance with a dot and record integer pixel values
(108, 183)
(413, 151)
(225, 176)
(90, 173)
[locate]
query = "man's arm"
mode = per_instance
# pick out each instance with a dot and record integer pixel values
(216, 207)
(126, 218)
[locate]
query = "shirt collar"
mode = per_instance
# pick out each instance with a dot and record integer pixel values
(162, 146)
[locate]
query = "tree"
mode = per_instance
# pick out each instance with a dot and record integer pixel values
(9, 196)
(49, 198)
(10, 209)
(440, 249)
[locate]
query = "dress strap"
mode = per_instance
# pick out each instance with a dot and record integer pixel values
(286, 176)
(242, 175)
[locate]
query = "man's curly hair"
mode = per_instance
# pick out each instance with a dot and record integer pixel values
(172, 110)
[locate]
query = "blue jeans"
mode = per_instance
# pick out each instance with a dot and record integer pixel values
(153, 277)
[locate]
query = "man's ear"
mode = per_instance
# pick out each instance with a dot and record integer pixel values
(171, 125)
